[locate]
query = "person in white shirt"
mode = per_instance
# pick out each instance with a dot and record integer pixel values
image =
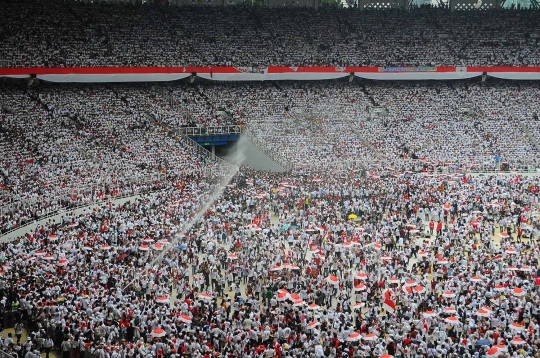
(47, 345)
(8, 341)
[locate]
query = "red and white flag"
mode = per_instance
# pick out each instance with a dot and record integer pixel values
(389, 305)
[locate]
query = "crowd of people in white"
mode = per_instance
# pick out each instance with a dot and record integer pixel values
(459, 125)
(310, 264)
(379, 243)
(55, 33)
(465, 123)
(70, 145)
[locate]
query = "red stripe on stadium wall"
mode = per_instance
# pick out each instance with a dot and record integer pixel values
(228, 70)
(503, 69)
(272, 73)
(446, 69)
(363, 69)
(285, 69)
(114, 70)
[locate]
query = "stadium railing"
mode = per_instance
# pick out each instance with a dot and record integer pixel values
(227, 129)
(4, 354)
(185, 139)
(199, 149)
(529, 135)
(144, 185)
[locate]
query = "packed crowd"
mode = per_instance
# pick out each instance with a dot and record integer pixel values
(55, 33)
(379, 243)
(454, 125)
(465, 123)
(310, 264)
(68, 146)
(65, 146)
(507, 116)
(305, 123)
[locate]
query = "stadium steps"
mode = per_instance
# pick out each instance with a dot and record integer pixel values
(529, 136)
(481, 137)
(112, 89)
(83, 149)
(380, 156)
(167, 94)
(368, 95)
(39, 101)
(374, 150)
(488, 150)
(258, 155)
(3, 171)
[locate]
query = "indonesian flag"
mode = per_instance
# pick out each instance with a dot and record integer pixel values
(389, 305)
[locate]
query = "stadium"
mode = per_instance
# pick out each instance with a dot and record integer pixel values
(269, 178)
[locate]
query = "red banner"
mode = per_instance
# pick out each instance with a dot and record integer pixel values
(228, 70)
(503, 69)
(114, 70)
(157, 74)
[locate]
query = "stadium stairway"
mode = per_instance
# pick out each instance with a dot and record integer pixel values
(83, 149)
(529, 136)
(257, 21)
(368, 95)
(488, 151)
(380, 156)
(257, 154)
(354, 128)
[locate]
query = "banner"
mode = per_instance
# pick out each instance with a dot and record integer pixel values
(416, 73)
(510, 73)
(229, 73)
(407, 69)
(389, 305)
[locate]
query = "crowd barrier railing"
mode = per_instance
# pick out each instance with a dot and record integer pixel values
(190, 143)
(4, 354)
(138, 185)
(221, 130)
(201, 150)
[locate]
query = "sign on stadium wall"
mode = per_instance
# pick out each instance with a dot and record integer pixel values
(408, 69)
(161, 74)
